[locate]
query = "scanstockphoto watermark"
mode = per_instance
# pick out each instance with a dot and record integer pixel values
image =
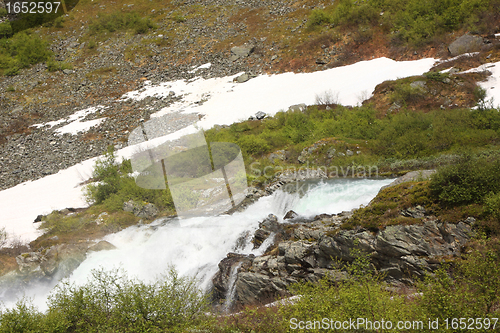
(309, 172)
(354, 324)
(365, 324)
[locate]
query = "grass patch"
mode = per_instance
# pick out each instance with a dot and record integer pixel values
(120, 21)
(103, 72)
(54, 66)
(385, 209)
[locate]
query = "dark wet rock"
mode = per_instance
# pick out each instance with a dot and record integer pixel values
(290, 215)
(266, 228)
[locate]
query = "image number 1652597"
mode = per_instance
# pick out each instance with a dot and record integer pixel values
(33, 7)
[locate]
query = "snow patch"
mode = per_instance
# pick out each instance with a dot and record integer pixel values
(204, 66)
(76, 123)
(224, 102)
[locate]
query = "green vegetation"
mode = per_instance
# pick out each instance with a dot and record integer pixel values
(412, 21)
(21, 51)
(111, 302)
(120, 20)
(470, 187)
(115, 186)
(468, 181)
(54, 66)
(386, 207)
(80, 226)
(404, 135)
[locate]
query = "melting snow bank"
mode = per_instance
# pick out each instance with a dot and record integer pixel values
(222, 102)
(195, 246)
(490, 85)
(76, 123)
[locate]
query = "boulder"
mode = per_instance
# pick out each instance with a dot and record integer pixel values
(465, 44)
(242, 51)
(260, 115)
(147, 211)
(401, 252)
(242, 78)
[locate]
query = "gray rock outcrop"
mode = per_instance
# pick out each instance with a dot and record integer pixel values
(402, 253)
(146, 211)
(46, 266)
(466, 44)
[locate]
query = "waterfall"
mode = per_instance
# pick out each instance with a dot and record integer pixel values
(195, 246)
(231, 288)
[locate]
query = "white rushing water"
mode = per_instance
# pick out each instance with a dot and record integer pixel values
(195, 246)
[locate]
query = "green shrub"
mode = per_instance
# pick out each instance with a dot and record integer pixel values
(114, 186)
(5, 29)
(120, 21)
(317, 18)
(472, 290)
(22, 51)
(53, 65)
(110, 301)
(59, 22)
(360, 295)
(492, 203)
(468, 181)
(406, 93)
(22, 318)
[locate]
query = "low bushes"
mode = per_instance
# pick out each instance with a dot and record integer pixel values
(412, 21)
(470, 180)
(112, 302)
(114, 186)
(120, 21)
(21, 51)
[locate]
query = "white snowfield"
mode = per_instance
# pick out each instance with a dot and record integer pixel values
(225, 102)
